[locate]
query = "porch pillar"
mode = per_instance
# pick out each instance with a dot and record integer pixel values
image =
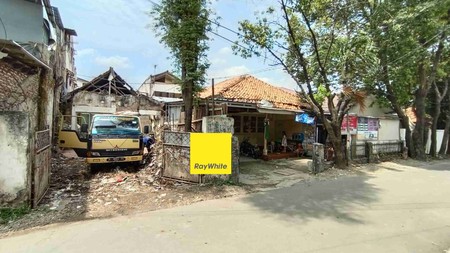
(266, 126)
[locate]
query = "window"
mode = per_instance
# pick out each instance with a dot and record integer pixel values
(115, 125)
(237, 124)
(260, 125)
(249, 124)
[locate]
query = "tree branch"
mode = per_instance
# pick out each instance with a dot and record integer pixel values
(301, 57)
(437, 57)
(316, 49)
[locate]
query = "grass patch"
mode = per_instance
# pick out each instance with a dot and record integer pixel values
(10, 214)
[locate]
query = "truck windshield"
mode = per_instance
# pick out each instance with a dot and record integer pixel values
(115, 125)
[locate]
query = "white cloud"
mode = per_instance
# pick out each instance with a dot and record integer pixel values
(266, 79)
(118, 62)
(229, 72)
(225, 51)
(220, 57)
(279, 78)
(85, 52)
(218, 61)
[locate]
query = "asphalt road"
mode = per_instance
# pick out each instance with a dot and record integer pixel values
(394, 209)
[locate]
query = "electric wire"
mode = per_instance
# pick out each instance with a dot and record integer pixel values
(6, 33)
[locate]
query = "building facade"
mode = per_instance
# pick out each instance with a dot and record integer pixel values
(32, 70)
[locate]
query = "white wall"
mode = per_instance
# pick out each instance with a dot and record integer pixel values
(372, 109)
(389, 129)
(14, 154)
(439, 137)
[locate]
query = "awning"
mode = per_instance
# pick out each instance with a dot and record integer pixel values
(278, 111)
(14, 49)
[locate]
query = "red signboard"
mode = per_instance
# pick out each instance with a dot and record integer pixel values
(352, 122)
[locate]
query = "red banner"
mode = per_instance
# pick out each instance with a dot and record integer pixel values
(352, 124)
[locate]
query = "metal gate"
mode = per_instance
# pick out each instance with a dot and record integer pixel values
(176, 157)
(42, 164)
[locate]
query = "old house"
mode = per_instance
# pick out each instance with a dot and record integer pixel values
(371, 123)
(80, 82)
(32, 68)
(374, 122)
(108, 93)
(249, 101)
(162, 87)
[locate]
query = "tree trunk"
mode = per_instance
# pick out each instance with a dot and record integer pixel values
(392, 97)
(444, 144)
(419, 128)
(425, 81)
(334, 133)
(445, 138)
(401, 114)
(419, 105)
(437, 112)
(408, 136)
(188, 102)
(187, 99)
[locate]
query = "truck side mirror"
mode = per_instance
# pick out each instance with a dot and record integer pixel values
(146, 129)
(84, 128)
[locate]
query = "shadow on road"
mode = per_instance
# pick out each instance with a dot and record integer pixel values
(438, 165)
(319, 199)
(402, 165)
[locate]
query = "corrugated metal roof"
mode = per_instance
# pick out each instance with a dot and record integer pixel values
(166, 100)
(170, 88)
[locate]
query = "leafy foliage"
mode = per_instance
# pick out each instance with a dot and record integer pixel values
(325, 48)
(182, 27)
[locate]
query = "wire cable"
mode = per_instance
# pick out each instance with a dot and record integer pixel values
(6, 33)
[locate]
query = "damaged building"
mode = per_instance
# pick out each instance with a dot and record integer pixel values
(108, 93)
(33, 74)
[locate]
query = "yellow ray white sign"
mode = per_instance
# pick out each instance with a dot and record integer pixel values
(210, 153)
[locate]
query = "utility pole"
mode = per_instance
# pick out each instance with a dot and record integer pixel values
(213, 106)
(349, 139)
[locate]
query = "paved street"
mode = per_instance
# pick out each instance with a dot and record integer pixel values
(397, 208)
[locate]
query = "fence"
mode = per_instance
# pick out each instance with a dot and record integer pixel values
(176, 157)
(385, 148)
(367, 151)
(42, 164)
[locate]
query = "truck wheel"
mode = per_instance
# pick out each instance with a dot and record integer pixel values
(93, 168)
(135, 165)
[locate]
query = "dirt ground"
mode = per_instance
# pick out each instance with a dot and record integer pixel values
(285, 172)
(75, 193)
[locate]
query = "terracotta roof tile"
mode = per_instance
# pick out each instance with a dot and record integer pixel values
(249, 89)
(411, 114)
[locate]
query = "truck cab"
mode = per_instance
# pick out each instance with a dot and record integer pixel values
(108, 139)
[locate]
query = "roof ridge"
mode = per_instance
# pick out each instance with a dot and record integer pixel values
(239, 79)
(277, 87)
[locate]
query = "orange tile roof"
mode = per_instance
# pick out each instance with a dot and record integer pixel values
(411, 114)
(249, 89)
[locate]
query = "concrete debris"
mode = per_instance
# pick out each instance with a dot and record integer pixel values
(76, 193)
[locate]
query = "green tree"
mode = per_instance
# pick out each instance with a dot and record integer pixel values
(182, 27)
(409, 39)
(322, 45)
(446, 111)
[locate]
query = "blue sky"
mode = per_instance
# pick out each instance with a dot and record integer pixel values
(113, 33)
